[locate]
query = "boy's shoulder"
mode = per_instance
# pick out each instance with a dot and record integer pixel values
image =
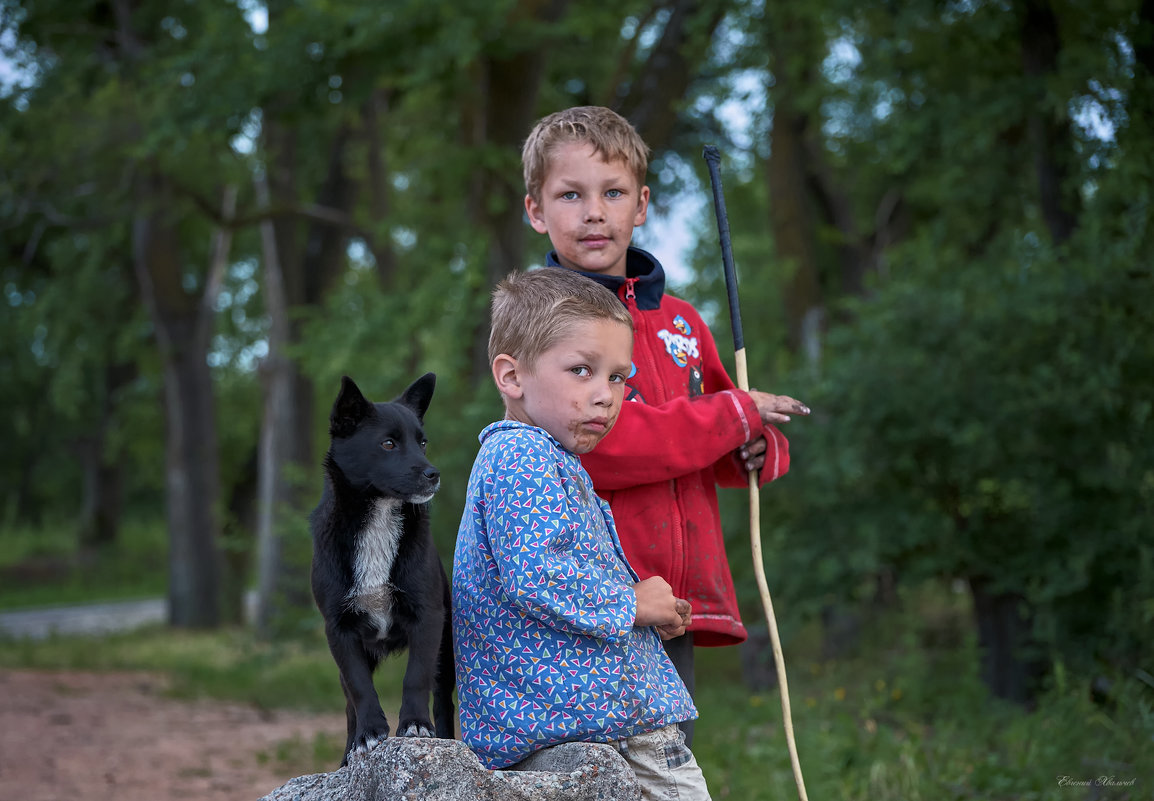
(680, 304)
(509, 442)
(676, 309)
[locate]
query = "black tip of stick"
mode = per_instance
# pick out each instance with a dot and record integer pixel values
(713, 159)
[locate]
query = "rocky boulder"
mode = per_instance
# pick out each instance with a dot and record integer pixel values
(411, 768)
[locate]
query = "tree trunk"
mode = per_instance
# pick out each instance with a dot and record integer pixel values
(103, 478)
(794, 44)
(805, 195)
(1049, 131)
(299, 270)
(240, 536)
(277, 421)
(1011, 665)
(1135, 140)
(378, 174)
(500, 113)
(653, 101)
(793, 221)
(182, 321)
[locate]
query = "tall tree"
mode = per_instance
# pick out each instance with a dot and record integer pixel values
(131, 79)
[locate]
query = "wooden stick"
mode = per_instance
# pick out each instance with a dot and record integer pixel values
(713, 159)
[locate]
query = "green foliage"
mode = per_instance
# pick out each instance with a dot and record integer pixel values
(44, 565)
(988, 420)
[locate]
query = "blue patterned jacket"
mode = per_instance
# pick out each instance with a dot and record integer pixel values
(543, 609)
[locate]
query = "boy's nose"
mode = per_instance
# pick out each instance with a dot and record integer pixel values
(603, 395)
(594, 212)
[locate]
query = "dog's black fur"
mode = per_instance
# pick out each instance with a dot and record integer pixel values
(376, 575)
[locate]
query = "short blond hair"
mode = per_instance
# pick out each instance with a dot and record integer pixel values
(533, 311)
(610, 134)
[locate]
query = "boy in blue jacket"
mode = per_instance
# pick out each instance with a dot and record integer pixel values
(556, 640)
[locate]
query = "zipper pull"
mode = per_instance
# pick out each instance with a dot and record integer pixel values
(630, 294)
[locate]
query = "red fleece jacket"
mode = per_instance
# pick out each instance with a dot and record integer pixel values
(673, 443)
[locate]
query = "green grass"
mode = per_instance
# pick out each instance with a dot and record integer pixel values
(228, 664)
(43, 566)
(907, 723)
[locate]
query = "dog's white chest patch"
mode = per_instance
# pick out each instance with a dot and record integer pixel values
(373, 563)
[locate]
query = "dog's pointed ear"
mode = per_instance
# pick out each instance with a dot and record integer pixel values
(419, 394)
(349, 409)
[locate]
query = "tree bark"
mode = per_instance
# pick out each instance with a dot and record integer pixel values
(276, 427)
(103, 477)
(1049, 131)
(499, 113)
(375, 113)
(301, 262)
(653, 101)
(1011, 668)
(182, 321)
(793, 213)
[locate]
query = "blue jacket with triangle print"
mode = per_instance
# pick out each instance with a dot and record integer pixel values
(543, 609)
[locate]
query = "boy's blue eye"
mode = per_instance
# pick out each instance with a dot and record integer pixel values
(569, 196)
(614, 193)
(581, 371)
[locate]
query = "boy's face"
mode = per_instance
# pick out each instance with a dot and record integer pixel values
(576, 388)
(589, 208)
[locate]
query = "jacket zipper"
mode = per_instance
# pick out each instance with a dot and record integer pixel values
(678, 577)
(631, 293)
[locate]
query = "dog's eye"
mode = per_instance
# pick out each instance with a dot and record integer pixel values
(388, 444)
(424, 444)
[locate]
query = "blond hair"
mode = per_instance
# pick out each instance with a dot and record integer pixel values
(610, 134)
(533, 311)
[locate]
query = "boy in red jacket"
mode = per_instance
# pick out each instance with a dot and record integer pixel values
(688, 428)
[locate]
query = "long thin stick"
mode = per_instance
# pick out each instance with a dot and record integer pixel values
(713, 160)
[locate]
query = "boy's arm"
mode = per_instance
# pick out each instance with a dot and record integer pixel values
(528, 517)
(685, 435)
(649, 444)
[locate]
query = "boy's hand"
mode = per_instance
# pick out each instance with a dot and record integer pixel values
(657, 606)
(773, 409)
(668, 632)
(776, 408)
(752, 454)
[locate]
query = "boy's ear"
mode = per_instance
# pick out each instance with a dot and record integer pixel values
(533, 209)
(506, 376)
(642, 206)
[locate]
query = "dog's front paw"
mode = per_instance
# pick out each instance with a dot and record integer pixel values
(369, 738)
(416, 728)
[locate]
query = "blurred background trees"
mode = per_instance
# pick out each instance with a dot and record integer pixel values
(209, 212)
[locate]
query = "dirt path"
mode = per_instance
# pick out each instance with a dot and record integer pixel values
(115, 736)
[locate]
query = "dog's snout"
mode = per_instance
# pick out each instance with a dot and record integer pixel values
(431, 473)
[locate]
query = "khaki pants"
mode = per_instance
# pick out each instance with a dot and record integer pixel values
(665, 768)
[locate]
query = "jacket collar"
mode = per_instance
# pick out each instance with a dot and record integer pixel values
(513, 425)
(641, 266)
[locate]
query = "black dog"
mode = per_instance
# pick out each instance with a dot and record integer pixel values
(376, 576)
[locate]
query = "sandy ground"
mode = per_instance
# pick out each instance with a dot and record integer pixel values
(116, 736)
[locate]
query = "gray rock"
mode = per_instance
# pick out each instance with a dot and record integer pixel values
(412, 768)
